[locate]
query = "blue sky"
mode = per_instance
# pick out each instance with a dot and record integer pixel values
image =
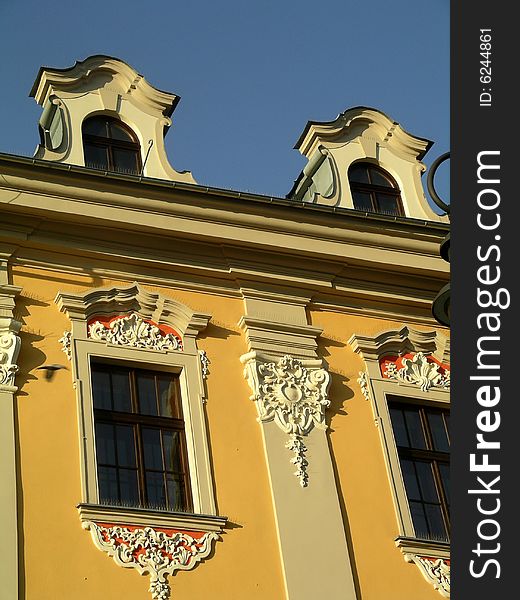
(250, 74)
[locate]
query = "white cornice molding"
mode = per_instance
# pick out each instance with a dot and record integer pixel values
(386, 129)
(75, 78)
(293, 394)
(134, 299)
(401, 341)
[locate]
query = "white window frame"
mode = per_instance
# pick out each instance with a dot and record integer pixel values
(377, 389)
(83, 350)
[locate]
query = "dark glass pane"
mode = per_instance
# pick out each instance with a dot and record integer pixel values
(399, 427)
(415, 431)
(128, 486)
(447, 421)
(410, 480)
(96, 127)
(101, 390)
(358, 174)
(438, 431)
(175, 493)
(445, 476)
(125, 161)
(362, 201)
(119, 132)
(419, 519)
(377, 178)
(152, 449)
(168, 406)
(107, 478)
(172, 455)
(426, 481)
(146, 394)
(387, 204)
(155, 490)
(121, 391)
(435, 521)
(96, 157)
(105, 444)
(125, 445)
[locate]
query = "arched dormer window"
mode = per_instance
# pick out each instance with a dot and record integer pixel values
(110, 145)
(373, 190)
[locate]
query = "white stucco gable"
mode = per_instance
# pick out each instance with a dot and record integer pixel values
(102, 85)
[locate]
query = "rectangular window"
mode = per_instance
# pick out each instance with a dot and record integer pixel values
(140, 438)
(423, 445)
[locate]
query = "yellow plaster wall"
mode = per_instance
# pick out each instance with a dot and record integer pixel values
(361, 471)
(59, 559)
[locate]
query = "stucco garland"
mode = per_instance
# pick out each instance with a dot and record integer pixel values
(152, 551)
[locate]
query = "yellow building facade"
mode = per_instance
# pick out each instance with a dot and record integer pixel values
(233, 395)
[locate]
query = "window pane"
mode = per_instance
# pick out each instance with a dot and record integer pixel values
(125, 445)
(152, 449)
(107, 478)
(118, 132)
(410, 480)
(435, 521)
(419, 520)
(415, 431)
(445, 476)
(125, 161)
(426, 481)
(175, 488)
(399, 427)
(105, 444)
(438, 431)
(358, 174)
(121, 391)
(362, 201)
(96, 157)
(172, 454)
(101, 390)
(95, 127)
(128, 486)
(146, 393)
(387, 204)
(168, 405)
(377, 178)
(155, 490)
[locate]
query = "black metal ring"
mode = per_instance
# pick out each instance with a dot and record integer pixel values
(429, 182)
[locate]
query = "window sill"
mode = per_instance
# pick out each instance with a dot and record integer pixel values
(430, 548)
(121, 515)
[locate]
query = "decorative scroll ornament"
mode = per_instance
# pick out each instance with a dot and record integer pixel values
(205, 362)
(294, 395)
(435, 570)
(9, 348)
(419, 371)
(66, 343)
(363, 384)
(134, 331)
(150, 551)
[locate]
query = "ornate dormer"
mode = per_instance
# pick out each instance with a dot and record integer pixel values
(365, 161)
(103, 114)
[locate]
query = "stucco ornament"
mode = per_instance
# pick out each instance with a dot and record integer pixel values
(293, 394)
(153, 552)
(134, 331)
(204, 362)
(9, 348)
(435, 570)
(419, 371)
(66, 343)
(363, 384)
